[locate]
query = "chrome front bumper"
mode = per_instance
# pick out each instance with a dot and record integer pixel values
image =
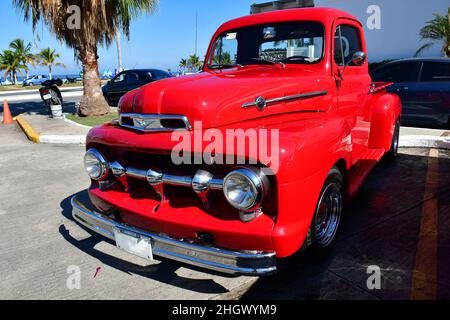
(236, 263)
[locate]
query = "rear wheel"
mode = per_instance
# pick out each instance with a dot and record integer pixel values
(327, 218)
(393, 151)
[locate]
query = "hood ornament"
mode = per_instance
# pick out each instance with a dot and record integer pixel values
(261, 103)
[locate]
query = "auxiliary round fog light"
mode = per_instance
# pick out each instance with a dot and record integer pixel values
(95, 165)
(243, 189)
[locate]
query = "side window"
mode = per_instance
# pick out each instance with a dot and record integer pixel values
(158, 75)
(347, 41)
(131, 77)
(435, 71)
(400, 73)
(119, 79)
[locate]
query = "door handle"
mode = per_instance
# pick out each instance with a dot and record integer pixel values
(403, 89)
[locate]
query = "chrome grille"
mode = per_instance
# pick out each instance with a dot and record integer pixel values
(154, 122)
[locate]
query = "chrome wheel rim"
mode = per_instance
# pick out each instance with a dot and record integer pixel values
(328, 215)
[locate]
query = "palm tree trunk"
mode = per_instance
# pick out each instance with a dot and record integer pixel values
(93, 103)
(50, 72)
(14, 76)
(119, 50)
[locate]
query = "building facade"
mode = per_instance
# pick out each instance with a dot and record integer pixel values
(391, 26)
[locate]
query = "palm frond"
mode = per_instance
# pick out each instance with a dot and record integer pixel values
(423, 48)
(99, 21)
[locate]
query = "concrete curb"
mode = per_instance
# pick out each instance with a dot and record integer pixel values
(27, 129)
(33, 96)
(424, 141)
(76, 124)
(48, 139)
(67, 139)
(62, 89)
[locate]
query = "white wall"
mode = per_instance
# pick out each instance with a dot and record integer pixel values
(400, 24)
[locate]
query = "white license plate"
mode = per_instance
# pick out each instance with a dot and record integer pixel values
(141, 247)
(47, 96)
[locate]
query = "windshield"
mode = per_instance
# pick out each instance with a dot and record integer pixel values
(288, 43)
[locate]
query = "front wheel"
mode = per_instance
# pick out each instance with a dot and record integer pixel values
(327, 218)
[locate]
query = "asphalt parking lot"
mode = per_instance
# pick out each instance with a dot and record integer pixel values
(400, 223)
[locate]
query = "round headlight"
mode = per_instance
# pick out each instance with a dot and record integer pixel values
(95, 165)
(244, 189)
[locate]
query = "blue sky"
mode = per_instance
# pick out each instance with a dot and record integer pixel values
(162, 39)
(159, 40)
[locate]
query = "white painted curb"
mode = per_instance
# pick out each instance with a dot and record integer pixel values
(76, 124)
(36, 96)
(67, 139)
(19, 91)
(424, 141)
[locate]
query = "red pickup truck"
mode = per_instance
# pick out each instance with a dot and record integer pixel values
(293, 81)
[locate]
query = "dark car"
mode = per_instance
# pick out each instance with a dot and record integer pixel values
(129, 80)
(424, 87)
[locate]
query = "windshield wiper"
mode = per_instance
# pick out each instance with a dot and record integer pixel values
(224, 66)
(264, 61)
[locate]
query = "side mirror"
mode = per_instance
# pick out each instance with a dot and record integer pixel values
(359, 58)
(109, 82)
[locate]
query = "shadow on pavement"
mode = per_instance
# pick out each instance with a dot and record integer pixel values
(382, 228)
(18, 108)
(164, 272)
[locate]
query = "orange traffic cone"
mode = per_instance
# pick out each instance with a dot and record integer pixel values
(7, 118)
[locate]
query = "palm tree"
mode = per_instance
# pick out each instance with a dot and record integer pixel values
(194, 62)
(47, 58)
(437, 29)
(24, 53)
(99, 22)
(183, 63)
(225, 58)
(11, 63)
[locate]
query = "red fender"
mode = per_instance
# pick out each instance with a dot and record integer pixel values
(386, 109)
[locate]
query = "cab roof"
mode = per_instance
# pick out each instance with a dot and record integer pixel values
(323, 15)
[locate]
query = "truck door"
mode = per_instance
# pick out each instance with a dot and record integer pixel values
(353, 83)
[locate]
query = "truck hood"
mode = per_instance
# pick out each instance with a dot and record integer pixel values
(217, 98)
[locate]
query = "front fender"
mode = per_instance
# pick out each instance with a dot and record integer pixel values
(386, 110)
(308, 153)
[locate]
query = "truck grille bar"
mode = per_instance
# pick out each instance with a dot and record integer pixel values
(154, 122)
(202, 182)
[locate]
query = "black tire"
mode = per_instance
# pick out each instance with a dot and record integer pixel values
(56, 97)
(323, 230)
(393, 151)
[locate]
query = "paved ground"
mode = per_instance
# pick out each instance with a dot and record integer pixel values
(399, 222)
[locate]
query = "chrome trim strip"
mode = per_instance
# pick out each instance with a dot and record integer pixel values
(156, 126)
(226, 261)
(288, 98)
